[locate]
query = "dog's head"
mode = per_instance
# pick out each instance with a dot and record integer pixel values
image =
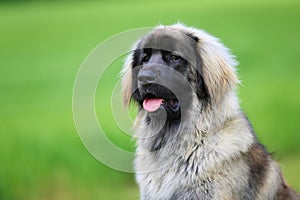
(174, 65)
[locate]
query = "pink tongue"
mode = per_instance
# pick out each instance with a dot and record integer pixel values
(152, 105)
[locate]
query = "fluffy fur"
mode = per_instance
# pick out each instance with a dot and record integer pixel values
(210, 151)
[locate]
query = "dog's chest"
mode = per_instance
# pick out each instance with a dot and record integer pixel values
(174, 180)
(191, 177)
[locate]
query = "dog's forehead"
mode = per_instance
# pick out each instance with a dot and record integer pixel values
(169, 40)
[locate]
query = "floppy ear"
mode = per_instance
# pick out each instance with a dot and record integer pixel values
(218, 66)
(126, 74)
(127, 71)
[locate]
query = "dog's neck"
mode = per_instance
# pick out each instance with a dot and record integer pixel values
(153, 134)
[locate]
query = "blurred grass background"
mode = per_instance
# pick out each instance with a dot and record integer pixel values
(42, 45)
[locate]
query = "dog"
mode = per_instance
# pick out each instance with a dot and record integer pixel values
(193, 140)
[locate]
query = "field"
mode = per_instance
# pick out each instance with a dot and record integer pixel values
(43, 44)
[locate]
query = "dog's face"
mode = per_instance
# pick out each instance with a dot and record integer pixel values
(173, 68)
(167, 73)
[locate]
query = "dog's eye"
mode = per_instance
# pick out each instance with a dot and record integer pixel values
(145, 58)
(174, 58)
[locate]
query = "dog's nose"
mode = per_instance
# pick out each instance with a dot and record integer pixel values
(146, 76)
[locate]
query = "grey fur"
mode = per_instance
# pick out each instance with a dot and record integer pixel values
(213, 153)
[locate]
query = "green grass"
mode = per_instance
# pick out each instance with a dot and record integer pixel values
(42, 46)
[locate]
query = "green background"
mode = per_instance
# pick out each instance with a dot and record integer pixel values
(42, 45)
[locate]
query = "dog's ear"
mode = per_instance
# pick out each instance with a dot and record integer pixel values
(218, 66)
(126, 74)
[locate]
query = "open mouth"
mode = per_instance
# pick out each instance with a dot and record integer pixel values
(152, 104)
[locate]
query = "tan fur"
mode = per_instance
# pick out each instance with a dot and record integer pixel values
(126, 80)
